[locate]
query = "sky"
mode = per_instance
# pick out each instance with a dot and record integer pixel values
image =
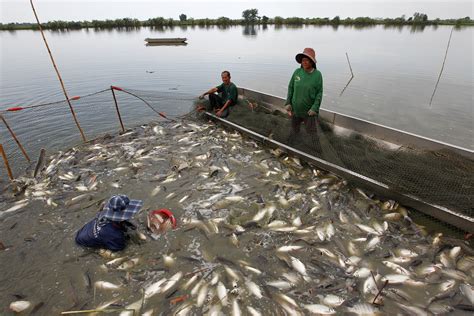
(74, 10)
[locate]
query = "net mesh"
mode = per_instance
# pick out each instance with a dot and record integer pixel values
(51, 125)
(439, 177)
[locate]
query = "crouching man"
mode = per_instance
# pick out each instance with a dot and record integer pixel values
(108, 229)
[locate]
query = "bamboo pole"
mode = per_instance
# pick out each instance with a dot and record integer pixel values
(5, 160)
(350, 67)
(117, 108)
(15, 138)
(352, 75)
(59, 76)
(442, 67)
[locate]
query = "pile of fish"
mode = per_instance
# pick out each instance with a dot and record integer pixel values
(259, 233)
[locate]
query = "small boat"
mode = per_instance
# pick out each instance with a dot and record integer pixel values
(388, 138)
(176, 40)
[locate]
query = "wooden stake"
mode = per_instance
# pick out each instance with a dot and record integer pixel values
(5, 160)
(15, 138)
(442, 67)
(59, 76)
(352, 75)
(117, 108)
(380, 291)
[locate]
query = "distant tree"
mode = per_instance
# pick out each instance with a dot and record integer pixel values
(250, 15)
(420, 18)
(183, 17)
(223, 21)
(265, 19)
(278, 20)
(336, 20)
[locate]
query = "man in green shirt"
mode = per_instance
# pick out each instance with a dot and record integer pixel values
(226, 97)
(305, 92)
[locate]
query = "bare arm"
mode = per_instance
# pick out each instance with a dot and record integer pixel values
(225, 106)
(212, 90)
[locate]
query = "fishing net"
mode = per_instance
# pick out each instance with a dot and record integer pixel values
(438, 177)
(51, 125)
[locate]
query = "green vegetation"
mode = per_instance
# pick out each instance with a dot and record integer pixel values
(249, 17)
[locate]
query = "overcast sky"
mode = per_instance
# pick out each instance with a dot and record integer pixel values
(20, 10)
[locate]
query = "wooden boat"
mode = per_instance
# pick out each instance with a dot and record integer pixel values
(388, 136)
(176, 40)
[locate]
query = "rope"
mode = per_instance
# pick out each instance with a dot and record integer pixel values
(149, 105)
(54, 102)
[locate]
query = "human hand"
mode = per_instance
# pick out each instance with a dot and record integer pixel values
(219, 113)
(288, 107)
(312, 113)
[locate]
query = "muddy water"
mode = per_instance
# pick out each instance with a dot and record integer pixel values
(242, 203)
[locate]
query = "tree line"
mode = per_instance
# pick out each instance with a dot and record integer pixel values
(249, 16)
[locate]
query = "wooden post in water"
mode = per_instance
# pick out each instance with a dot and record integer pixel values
(117, 108)
(15, 138)
(442, 66)
(352, 75)
(5, 160)
(59, 76)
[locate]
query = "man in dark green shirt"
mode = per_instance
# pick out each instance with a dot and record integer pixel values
(226, 97)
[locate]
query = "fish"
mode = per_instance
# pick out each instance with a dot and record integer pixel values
(104, 285)
(320, 309)
(172, 282)
(363, 309)
(190, 282)
(168, 261)
(154, 288)
(222, 293)
(184, 310)
(232, 274)
(254, 289)
(19, 306)
(298, 266)
(455, 274)
(18, 205)
(115, 261)
(372, 243)
(333, 300)
(280, 284)
(155, 191)
(367, 229)
(399, 269)
(468, 292)
(253, 312)
(201, 295)
(252, 269)
(195, 289)
(128, 264)
(183, 199)
(265, 211)
(78, 199)
(369, 286)
(277, 224)
(395, 278)
(412, 310)
(289, 248)
(361, 273)
(236, 308)
(282, 298)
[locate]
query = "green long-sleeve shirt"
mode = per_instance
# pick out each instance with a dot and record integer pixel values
(305, 92)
